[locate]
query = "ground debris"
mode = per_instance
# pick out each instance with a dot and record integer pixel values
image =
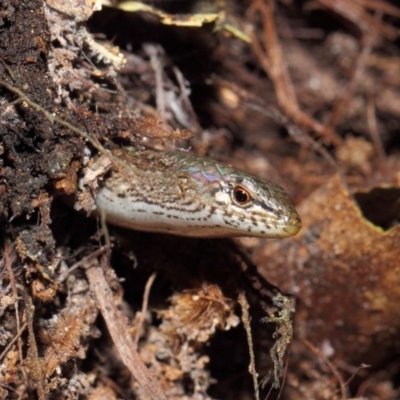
(303, 93)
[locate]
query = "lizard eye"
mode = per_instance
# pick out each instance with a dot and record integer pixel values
(241, 195)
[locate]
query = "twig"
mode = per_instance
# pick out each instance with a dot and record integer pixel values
(356, 75)
(35, 366)
(332, 368)
(246, 323)
(156, 62)
(11, 276)
(373, 128)
(117, 162)
(145, 304)
(23, 97)
(106, 233)
(119, 332)
(18, 335)
(358, 15)
(273, 63)
(350, 379)
(78, 264)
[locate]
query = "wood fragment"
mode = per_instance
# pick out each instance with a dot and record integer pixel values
(274, 65)
(119, 332)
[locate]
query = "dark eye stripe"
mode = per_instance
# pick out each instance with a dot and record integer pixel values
(267, 208)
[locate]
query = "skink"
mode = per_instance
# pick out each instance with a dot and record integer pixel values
(182, 194)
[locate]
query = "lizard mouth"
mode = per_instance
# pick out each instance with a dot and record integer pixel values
(293, 226)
